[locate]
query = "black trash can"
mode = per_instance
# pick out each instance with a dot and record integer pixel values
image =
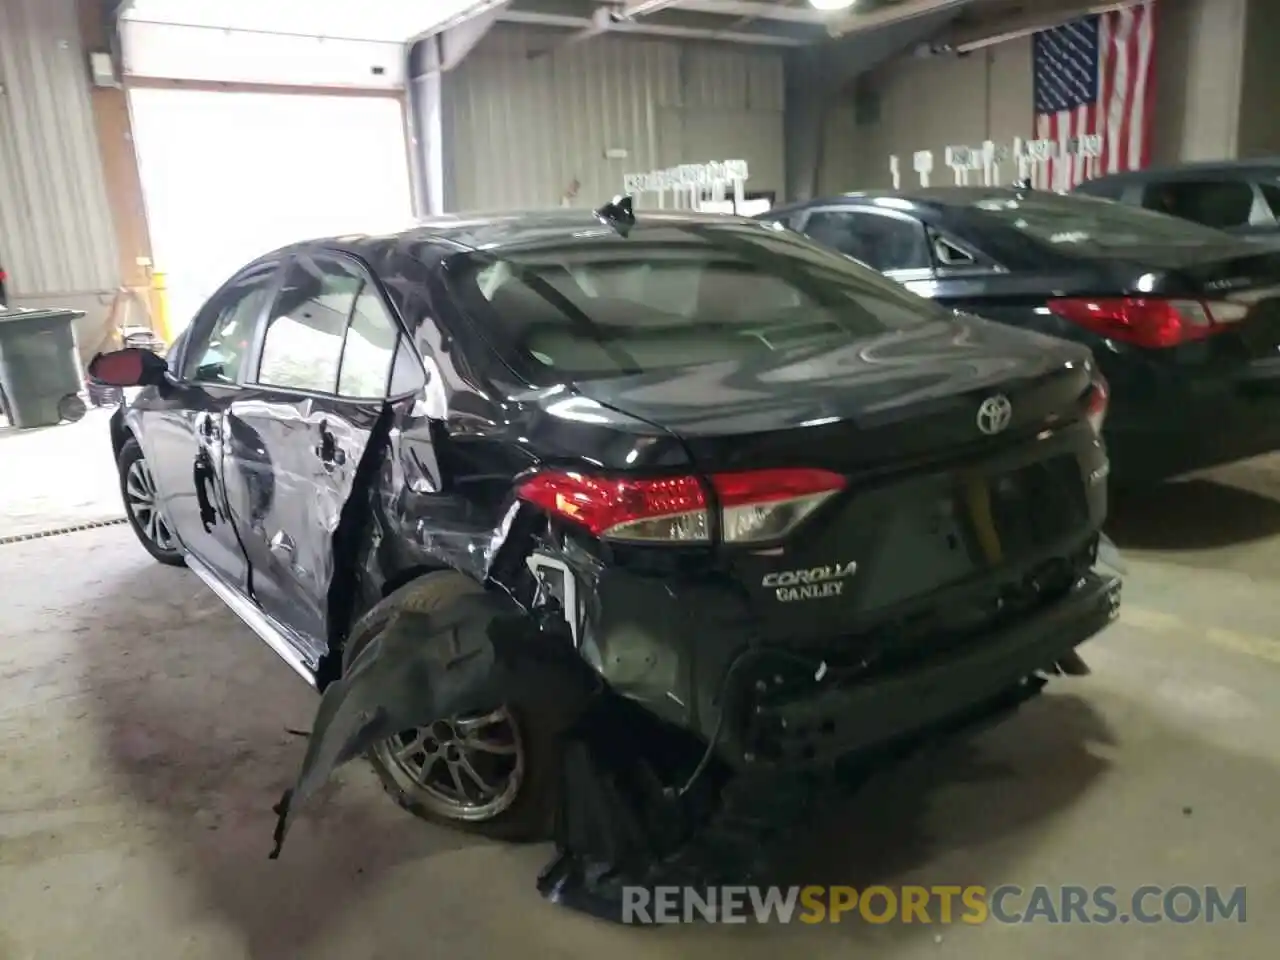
(40, 366)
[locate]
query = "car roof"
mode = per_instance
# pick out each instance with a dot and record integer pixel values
(938, 198)
(490, 232)
(1258, 165)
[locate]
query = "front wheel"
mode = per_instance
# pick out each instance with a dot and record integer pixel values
(493, 773)
(142, 506)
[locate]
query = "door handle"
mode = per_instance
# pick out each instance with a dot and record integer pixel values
(208, 427)
(331, 455)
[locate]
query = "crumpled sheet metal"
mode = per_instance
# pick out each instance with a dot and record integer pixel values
(474, 654)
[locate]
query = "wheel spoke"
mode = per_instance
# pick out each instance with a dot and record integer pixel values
(464, 762)
(136, 488)
(499, 748)
(457, 782)
(415, 745)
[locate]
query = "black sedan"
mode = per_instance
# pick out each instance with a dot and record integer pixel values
(1184, 321)
(479, 481)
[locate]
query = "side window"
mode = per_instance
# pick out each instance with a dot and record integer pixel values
(880, 241)
(949, 254)
(216, 353)
(302, 348)
(1214, 203)
(406, 370)
(371, 343)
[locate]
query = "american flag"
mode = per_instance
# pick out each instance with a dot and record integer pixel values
(1093, 78)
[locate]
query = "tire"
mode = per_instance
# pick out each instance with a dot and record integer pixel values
(526, 814)
(164, 548)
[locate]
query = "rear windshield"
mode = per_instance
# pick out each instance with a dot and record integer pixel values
(1091, 225)
(601, 305)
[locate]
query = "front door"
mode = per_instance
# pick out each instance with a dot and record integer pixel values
(183, 426)
(300, 430)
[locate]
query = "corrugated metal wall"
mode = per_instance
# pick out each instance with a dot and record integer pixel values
(519, 130)
(56, 238)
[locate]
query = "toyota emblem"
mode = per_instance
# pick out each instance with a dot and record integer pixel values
(994, 414)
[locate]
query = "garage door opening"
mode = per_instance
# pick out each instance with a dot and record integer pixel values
(227, 176)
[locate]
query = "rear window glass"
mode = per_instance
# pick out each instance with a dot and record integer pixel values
(665, 297)
(1091, 225)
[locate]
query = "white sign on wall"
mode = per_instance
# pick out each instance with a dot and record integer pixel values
(693, 185)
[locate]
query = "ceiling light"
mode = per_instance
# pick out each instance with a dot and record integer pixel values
(831, 4)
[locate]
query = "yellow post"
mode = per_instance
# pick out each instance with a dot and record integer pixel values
(160, 307)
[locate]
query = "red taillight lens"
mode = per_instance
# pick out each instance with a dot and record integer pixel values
(755, 506)
(1096, 403)
(1144, 322)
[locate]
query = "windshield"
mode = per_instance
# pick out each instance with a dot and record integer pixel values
(1091, 225)
(598, 304)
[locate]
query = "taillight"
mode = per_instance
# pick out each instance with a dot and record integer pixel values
(1096, 402)
(1146, 322)
(755, 505)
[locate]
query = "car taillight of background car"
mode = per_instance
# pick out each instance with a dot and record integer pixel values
(1148, 321)
(752, 506)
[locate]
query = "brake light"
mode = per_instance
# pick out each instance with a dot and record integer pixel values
(1144, 322)
(755, 506)
(1098, 398)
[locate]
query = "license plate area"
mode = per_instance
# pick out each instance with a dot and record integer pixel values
(1013, 514)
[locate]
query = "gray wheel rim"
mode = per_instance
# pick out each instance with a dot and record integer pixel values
(466, 768)
(140, 498)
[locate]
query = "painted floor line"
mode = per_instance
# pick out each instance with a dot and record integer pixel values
(1255, 645)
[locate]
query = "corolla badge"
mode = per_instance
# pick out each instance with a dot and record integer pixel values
(811, 584)
(994, 414)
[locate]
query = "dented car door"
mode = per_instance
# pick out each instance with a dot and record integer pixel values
(300, 432)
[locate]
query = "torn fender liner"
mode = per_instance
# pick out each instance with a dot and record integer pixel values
(474, 654)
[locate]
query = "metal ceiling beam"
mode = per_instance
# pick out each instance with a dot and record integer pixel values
(604, 22)
(855, 22)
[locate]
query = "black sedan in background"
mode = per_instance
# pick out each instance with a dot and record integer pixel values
(1184, 321)
(472, 478)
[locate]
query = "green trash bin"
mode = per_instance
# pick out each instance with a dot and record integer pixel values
(40, 368)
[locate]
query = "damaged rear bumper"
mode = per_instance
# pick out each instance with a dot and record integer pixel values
(833, 719)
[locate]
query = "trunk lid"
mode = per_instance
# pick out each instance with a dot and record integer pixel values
(871, 404)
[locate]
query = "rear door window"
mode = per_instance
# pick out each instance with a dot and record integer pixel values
(307, 324)
(667, 297)
(1222, 204)
(879, 240)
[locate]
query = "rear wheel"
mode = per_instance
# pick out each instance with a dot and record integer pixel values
(492, 773)
(142, 506)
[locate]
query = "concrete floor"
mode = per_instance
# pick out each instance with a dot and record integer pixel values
(144, 737)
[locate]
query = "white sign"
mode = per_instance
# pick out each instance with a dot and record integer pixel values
(686, 175)
(964, 158)
(1042, 150)
(922, 161)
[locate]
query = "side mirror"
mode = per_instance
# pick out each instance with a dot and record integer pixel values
(131, 367)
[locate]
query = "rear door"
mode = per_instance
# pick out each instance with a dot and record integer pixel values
(183, 428)
(300, 430)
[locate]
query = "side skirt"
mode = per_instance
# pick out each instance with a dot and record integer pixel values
(272, 633)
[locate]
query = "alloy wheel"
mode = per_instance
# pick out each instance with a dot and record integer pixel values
(141, 500)
(466, 768)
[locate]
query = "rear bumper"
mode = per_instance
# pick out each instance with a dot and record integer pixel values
(1155, 436)
(837, 720)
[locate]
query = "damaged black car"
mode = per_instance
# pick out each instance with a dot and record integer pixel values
(627, 531)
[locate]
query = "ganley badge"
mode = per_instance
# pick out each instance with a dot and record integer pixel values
(811, 584)
(994, 414)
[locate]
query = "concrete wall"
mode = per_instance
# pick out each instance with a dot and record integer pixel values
(523, 120)
(925, 104)
(57, 239)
